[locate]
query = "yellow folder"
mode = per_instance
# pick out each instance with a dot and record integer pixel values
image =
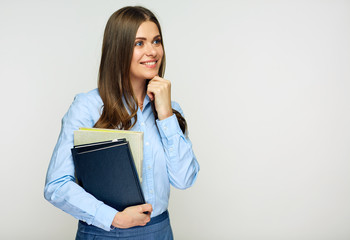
(135, 139)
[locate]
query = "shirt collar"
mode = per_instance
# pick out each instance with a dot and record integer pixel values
(146, 101)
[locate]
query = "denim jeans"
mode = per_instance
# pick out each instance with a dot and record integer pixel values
(157, 229)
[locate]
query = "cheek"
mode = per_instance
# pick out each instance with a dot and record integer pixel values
(160, 52)
(134, 65)
(136, 57)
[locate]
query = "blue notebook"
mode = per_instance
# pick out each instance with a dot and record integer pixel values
(107, 171)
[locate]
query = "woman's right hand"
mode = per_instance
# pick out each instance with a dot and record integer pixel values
(133, 216)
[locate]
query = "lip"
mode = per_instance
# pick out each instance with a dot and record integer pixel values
(148, 61)
(152, 60)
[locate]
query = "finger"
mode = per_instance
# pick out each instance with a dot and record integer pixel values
(147, 219)
(147, 207)
(150, 95)
(158, 86)
(157, 78)
(153, 90)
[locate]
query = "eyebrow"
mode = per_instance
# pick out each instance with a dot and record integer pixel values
(143, 38)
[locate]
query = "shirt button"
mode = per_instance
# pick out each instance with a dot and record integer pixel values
(171, 149)
(151, 191)
(149, 167)
(147, 143)
(165, 128)
(142, 124)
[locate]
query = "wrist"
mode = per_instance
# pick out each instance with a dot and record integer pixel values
(165, 114)
(118, 220)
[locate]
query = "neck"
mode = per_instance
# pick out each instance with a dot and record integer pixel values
(139, 90)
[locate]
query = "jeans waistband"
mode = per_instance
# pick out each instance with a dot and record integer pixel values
(155, 227)
(154, 220)
(158, 218)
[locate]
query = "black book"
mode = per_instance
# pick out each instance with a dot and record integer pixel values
(107, 171)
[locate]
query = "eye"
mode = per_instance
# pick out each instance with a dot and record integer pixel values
(139, 43)
(157, 41)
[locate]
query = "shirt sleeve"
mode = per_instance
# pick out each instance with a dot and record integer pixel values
(60, 187)
(181, 162)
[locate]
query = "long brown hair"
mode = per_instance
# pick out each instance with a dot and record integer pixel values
(114, 74)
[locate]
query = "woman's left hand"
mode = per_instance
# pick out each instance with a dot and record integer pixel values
(159, 91)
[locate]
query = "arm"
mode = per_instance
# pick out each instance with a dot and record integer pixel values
(181, 162)
(60, 187)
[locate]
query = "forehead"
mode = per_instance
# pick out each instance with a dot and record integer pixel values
(147, 29)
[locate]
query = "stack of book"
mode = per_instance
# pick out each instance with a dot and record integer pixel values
(108, 165)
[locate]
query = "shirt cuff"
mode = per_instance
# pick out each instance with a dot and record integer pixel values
(169, 127)
(104, 217)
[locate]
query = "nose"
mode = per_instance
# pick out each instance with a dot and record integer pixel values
(150, 50)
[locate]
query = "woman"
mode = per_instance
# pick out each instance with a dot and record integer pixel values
(131, 95)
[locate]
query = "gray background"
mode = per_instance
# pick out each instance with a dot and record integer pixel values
(265, 89)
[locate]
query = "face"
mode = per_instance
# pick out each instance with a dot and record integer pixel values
(148, 52)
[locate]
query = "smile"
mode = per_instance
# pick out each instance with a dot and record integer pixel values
(150, 64)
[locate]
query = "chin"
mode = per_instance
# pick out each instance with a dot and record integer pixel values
(150, 75)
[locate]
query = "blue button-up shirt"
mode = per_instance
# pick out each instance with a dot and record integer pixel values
(167, 159)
